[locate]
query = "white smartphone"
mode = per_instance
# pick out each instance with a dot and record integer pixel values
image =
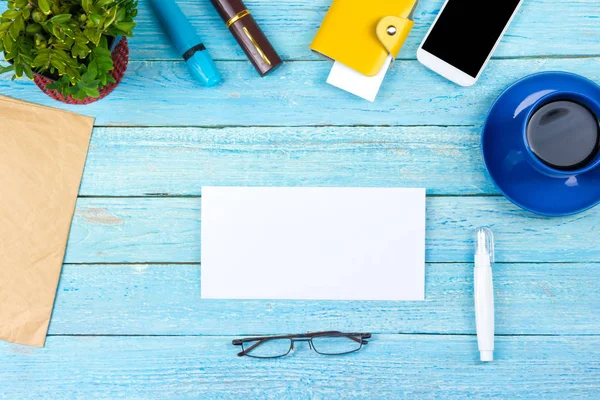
(463, 37)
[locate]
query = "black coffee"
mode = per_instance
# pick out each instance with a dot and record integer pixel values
(564, 135)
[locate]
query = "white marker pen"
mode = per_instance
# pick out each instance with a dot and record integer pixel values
(484, 293)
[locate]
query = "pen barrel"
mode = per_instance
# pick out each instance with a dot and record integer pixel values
(484, 311)
(248, 34)
(182, 33)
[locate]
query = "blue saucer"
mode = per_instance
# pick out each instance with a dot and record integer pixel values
(512, 168)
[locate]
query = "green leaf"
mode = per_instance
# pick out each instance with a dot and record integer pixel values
(112, 15)
(16, 28)
(11, 14)
(57, 32)
(61, 18)
(103, 43)
(27, 70)
(89, 76)
(96, 19)
(70, 89)
(93, 84)
(42, 60)
(34, 28)
(102, 3)
(8, 43)
(44, 6)
(38, 16)
(18, 70)
(59, 65)
(80, 50)
(93, 35)
(125, 26)
(81, 39)
(92, 92)
(26, 57)
(6, 69)
(121, 14)
(93, 68)
(20, 23)
(87, 5)
(102, 52)
(4, 26)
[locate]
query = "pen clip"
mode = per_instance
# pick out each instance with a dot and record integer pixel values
(256, 46)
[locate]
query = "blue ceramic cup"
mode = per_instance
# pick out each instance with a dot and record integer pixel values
(569, 125)
(533, 146)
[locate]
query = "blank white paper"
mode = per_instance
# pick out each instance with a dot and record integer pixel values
(313, 243)
(354, 82)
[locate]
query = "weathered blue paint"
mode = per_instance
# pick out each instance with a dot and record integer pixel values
(162, 94)
(157, 299)
(390, 367)
(129, 322)
(163, 230)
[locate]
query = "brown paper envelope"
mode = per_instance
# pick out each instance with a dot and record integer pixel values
(42, 155)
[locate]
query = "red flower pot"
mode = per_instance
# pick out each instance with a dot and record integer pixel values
(120, 57)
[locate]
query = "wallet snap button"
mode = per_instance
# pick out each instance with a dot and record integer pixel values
(391, 30)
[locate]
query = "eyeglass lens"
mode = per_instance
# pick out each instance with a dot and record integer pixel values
(269, 348)
(336, 345)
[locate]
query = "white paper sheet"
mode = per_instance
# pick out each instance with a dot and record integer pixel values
(313, 243)
(356, 83)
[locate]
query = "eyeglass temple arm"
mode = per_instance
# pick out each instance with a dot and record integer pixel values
(255, 345)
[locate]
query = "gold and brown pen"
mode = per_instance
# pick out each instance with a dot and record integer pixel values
(248, 34)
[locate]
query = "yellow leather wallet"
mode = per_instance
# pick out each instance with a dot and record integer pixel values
(361, 33)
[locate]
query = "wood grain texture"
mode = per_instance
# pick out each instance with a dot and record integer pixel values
(165, 300)
(291, 26)
(292, 129)
(178, 162)
(167, 230)
(390, 367)
(163, 94)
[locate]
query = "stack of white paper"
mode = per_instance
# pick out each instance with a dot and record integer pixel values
(313, 243)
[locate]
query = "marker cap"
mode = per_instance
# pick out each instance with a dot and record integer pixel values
(203, 68)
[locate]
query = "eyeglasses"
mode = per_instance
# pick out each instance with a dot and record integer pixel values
(330, 343)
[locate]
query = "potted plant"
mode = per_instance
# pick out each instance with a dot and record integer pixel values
(75, 50)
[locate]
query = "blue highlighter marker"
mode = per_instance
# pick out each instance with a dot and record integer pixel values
(187, 42)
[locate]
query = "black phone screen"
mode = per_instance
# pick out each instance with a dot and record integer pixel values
(467, 30)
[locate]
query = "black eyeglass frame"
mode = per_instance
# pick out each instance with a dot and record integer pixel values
(303, 337)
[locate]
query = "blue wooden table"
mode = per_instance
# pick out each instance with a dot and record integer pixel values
(128, 320)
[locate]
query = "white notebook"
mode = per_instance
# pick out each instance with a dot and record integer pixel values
(313, 243)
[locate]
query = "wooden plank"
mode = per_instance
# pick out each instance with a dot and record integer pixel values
(167, 230)
(390, 366)
(177, 162)
(567, 28)
(165, 300)
(163, 94)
